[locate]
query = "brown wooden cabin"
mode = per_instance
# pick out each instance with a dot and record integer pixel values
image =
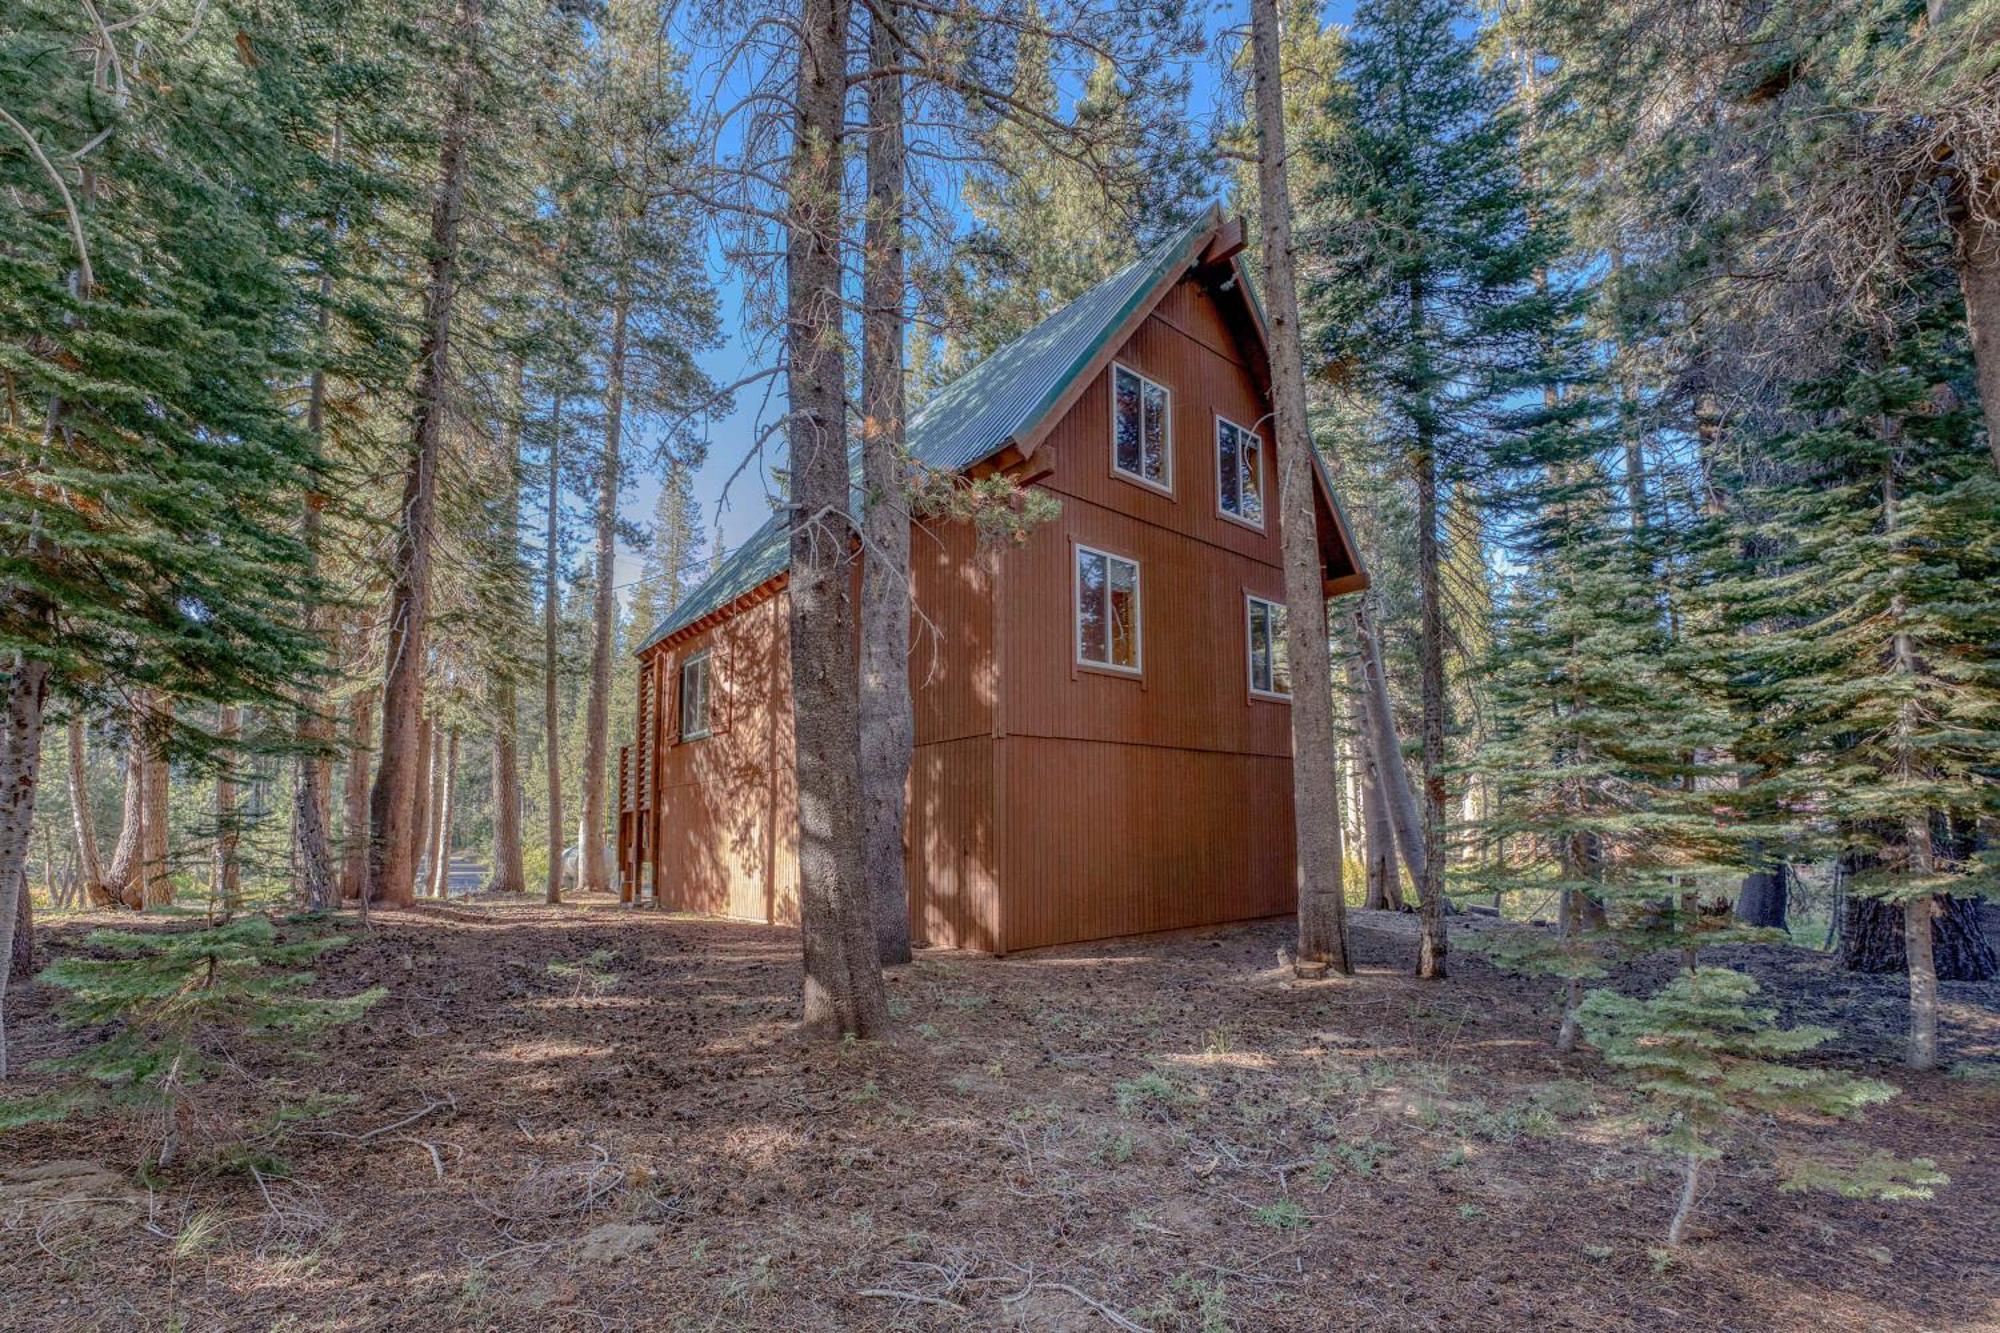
(1102, 734)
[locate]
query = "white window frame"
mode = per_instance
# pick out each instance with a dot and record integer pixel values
(705, 659)
(1165, 486)
(1251, 601)
(1263, 501)
(1138, 667)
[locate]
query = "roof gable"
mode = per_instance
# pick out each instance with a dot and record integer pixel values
(1011, 398)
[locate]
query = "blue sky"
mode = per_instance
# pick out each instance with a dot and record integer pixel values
(736, 508)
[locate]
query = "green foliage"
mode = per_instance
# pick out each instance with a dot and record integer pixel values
(179, 1001)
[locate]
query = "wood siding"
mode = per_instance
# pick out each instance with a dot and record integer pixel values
(1049, 802)
(1160, 801)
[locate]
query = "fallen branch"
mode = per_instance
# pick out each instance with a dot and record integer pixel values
(368, 1136)
(1118, 1319)
(891, 1294)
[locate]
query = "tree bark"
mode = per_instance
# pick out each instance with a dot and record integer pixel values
(445, 806)
(1322, 903)
(1383, 873)
(354, 836)
(21, 956)
(125, 853)
(1871, 939)
(1764, 897)
(1432, 945)
(156, 883)
(228, 872)
(551, 728)
(888, 727)
(421, 801)
(431, 794)
(1398, 796)
(1978, 246)
(843, 979)
(392, 850)
(508, 875)
(20, 770)
(1917, 913)
(593, 875)
(88, 861)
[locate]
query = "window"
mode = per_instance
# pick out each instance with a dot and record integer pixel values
(694, 697)
(1270, 673)
(1141, 437)
(1107, 610)
(1239, 459)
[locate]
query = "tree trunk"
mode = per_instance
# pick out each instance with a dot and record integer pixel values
(21, 957)
(430, 794)
(1917, 914)
(392, 849)
(843, 979)
(1315, 776)
(125, 854)
(1398, 796)
(422, 798)
(508, 875)
(1432, 945)
(156, 882)
(888, 728)
(551, 728)
(1380, 868)
(20, 769)
(1871, 939)
(1978, 238)
(593, 875)
(445, 806)
(228, 872)
(1765, 896)
(354, 836)
(91, 866)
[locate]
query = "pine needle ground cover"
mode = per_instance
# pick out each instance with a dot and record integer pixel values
(580, 1118)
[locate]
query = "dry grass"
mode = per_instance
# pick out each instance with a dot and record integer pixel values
(1161, 1134)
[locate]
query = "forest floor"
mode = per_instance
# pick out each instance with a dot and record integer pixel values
(593, 1119)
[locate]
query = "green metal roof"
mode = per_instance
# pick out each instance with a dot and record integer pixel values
(975, 416)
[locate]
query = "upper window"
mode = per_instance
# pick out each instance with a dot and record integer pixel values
(1239, 460)
(1107, 610)
(1141, 437)
(1270, 671)
(694, 697)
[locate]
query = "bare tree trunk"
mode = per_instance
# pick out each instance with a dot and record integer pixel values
(508, 875)
(354, 836)
(888, 728)
(1432, 945)
(593, 875)
(21, 957)
(20, 769)
(156, 883)
(1978, 237)
(228, 873)
(445, 806)
(430, 774)
(843, 979)
(1765, 897)
(551, 728)
(1397, 793)
(1383, 874)
(1315, 770)
(125, 854)
(392, 850)
(80, 816)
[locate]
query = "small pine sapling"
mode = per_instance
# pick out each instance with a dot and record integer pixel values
(1707, 1053)
(181, 1002)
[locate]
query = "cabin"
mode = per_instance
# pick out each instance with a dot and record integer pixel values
(1103, 729)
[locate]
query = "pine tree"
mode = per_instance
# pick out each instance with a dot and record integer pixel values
(1873, 674)
(1420, 257)
(1706, 1053)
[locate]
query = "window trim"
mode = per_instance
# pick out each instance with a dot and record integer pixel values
(1263, 500)
(706, 658)
(1137, 670)
(1251, 601)
(1165, 487)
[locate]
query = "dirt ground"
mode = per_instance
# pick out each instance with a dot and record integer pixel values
(592, 1119)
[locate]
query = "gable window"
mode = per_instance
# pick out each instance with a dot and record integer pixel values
(1270, 672)
(1141, 436)
(1107, 610)
(1239, 457)
(694, 697)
